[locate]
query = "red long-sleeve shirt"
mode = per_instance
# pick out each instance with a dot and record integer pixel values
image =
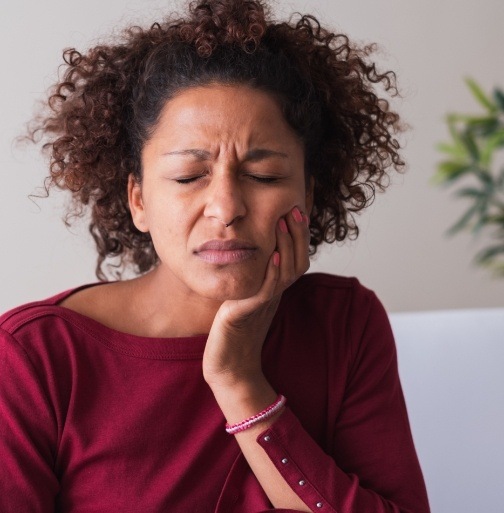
(94, 420)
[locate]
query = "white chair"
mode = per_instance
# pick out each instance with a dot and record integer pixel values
(452, 370)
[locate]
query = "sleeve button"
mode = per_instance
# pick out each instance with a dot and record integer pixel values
(267, 438)
(285, 460)
(319, 504)
(302, 482)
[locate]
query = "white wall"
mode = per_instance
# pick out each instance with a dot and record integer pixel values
(402, 252)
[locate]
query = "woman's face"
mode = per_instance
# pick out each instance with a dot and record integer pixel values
(220, 170)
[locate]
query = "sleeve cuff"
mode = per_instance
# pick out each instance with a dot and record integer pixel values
(275, 442)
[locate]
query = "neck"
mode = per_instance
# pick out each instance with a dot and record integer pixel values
(169, 309)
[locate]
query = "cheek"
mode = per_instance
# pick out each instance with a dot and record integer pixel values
(167, 223)
(282, 204)
(274, 209)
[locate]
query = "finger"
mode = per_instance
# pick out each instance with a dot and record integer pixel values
(269, 286)
(298, 223)
(233, 309)
(285, 246)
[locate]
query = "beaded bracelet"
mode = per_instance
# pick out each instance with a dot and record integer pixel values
(259, 417)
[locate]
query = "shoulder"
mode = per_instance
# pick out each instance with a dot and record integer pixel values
(329, 307)
(345, 310)
(327, 291)
(43, 340)
(325, 280)
(20, 317)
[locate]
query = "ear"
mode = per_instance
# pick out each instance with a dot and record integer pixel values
(309, 195)
(136, 205)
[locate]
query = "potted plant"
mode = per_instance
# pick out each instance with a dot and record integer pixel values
(472, 165)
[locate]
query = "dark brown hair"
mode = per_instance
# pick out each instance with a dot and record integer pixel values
(107, 103)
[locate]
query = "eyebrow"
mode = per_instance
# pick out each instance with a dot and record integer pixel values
(253, 155)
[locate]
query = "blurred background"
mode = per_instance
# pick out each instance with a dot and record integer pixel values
(402, 252)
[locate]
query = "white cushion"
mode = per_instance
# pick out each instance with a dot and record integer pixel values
(452, 370)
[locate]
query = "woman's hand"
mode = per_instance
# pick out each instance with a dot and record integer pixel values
(233, 351)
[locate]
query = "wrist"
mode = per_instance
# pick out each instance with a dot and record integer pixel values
(262, 417)
(244, 399)
(240, 381)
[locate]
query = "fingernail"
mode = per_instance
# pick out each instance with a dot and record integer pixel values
(276, 258)
(296, 214)
(283, 225)
(306, 219)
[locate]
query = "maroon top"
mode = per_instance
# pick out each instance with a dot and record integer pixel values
(95, 420)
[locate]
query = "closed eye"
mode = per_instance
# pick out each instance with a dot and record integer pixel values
(264, 179)
(188, 180)
(256, 178)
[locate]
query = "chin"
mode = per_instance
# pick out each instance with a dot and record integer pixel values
(231, 288)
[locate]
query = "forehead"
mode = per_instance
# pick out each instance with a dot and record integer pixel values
(236, 114)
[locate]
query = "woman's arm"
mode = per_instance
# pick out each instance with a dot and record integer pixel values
(27, 435)
(232, 360)
(370, 465)
(240, 402)
(372, 436)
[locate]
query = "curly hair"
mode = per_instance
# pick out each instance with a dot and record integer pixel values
(107, 103)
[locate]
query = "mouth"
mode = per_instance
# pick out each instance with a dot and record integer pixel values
(225, 251)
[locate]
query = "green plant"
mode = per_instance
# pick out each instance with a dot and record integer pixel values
(472, 162)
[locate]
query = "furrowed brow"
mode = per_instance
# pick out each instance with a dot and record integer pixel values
(258, 154)
(254, 155)
(199, 154)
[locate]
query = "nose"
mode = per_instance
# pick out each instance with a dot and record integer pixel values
(225, 201)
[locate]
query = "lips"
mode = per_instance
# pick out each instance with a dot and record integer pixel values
(225, 251)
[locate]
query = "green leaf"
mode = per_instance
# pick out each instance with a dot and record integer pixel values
(470, 143)
(497, 219)
(455, 150)
(472, 120)
(456, 136)
(457, 118)
(488, 254)
(481, 222)
(494, 142)
(500, 179)
(449, 170)
(485, 177)
(470, 192)
(483, 126)
(480, 96)
(499, 98)
(463, 222)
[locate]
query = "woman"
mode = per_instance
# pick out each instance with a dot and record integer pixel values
(215, 153)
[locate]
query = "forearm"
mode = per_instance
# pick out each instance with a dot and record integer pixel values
(292, 460)
(239, 402)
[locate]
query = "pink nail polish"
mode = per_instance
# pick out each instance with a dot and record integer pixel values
(296, 214)
(276, 259)
(283, 225)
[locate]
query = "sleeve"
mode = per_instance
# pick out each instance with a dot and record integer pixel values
(373, 467)
(28, 435)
